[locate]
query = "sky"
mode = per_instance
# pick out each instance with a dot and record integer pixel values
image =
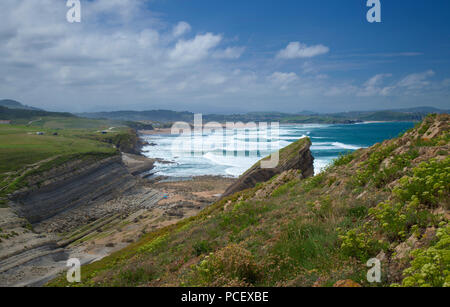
(225, 56)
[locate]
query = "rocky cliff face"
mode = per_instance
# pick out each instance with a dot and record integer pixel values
(70, 185)
(297, 156)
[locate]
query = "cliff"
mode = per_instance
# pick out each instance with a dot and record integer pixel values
(296, 156)
(67, 186)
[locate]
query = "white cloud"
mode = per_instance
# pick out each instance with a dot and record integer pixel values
(375, 80)
(188, 51)
(281, 77)
(412, 84)
(229, 53)
(373, 86)
(298, 50)
(416, 84)
(283, 80)
(417, 80)
(181, 28)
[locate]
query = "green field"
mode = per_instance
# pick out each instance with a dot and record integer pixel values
(23, 152)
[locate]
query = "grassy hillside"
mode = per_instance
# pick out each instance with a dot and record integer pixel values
(390, 201)
(24, 153)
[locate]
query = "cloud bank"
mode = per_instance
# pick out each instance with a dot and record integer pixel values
(125, 56)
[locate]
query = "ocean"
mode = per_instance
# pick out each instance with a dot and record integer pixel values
(232, 152)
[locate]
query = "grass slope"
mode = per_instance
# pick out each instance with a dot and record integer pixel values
(24, 153)
(390, 201)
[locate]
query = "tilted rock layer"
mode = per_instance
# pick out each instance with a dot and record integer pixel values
(296, 156)
(68, 186)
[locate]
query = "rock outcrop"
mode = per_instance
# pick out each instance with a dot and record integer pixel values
(70, 185)
(137, 164)
(296, 156)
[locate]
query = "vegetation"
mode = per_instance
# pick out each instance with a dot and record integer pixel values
(28, 150)
(430, 266)
(310, 232)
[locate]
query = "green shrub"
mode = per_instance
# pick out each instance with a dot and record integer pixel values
(393, 171)
(430, 267)
(284, 189)
(343, 159)
(372, 165)
(357, 212)
(243, 215)
(314, 182)
(429, 184)
(395, 219)
(407, 213)
(230, 266)
(202, 247)
(153, 245)
(361, 243)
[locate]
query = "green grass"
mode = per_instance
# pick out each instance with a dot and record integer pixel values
(23, 153)
(20, 146)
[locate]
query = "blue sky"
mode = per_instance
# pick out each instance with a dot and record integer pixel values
(226, 56)
(264, 26)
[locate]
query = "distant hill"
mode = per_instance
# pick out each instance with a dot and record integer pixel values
(14, 114)
(422, 110)
(12, 104)
(154, 115)
(411, 114)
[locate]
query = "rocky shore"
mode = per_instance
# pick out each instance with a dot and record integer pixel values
(88, 209)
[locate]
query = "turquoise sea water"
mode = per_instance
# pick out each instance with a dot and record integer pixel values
(231, 153)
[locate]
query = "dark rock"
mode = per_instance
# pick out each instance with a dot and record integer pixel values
(295, 156)
(69, 186)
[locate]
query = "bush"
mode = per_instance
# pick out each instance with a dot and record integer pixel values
(430, 267)
(407, 213)
(395, 168)
(343, 159)
(153, 245)
(313, 182)
(230, 266)
(361, 243)
(372, 165)
(284, 189)
(429, 184)
(202, 247)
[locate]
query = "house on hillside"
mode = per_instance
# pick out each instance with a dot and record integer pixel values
(5, 122)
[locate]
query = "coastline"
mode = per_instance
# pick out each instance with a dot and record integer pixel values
(99, 228)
